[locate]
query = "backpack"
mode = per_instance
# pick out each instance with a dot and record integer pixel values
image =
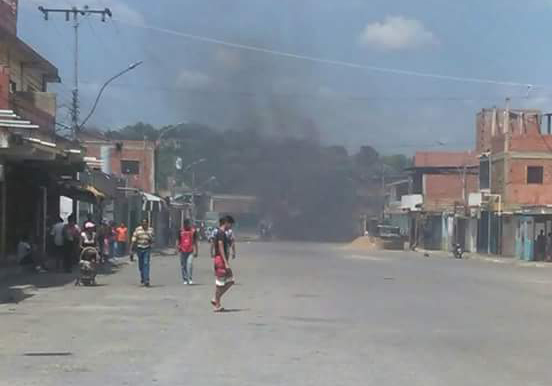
(187, 240)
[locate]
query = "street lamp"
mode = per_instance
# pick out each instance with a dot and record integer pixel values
(162, 133)
(169, 129)
(129, 68)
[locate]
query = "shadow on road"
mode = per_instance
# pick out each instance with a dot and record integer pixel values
(20, 285)
(231, 310)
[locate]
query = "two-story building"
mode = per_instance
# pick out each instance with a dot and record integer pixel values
(33, 159)
(515, 149)
(133, 163)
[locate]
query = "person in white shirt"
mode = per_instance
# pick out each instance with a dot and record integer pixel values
(57, 234)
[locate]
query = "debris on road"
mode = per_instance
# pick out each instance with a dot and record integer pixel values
(366, 243)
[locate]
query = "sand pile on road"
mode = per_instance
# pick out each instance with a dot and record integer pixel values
(366, 243)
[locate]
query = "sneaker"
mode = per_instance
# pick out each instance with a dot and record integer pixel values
(185, 282)
(146, 284)
(190, 282)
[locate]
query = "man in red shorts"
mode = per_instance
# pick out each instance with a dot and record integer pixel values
(224, 278)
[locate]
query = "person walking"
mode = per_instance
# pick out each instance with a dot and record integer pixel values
(121, 238)
(102, 232)
(142, 240)
(70, 243)
(57, 235)
(231, 238)
(540, 246)
(187, 245)
(111, 240)
(224, 277)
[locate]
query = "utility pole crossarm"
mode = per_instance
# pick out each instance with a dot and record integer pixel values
(76, 13)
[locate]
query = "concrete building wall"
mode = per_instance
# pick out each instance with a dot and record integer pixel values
(4, 87)
(25, 77)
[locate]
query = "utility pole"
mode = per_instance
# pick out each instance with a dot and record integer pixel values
(75, 12)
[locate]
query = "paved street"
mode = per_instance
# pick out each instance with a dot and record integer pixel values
(302, 314)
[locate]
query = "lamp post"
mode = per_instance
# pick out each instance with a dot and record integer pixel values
(128, 69)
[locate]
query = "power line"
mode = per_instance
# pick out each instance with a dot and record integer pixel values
(360, 98)
(418, 146)
(309, 58)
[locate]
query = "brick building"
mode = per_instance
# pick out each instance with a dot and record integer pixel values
(516, 180)
(440, 183)
(129, 159)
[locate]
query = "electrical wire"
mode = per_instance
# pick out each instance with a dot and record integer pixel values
(360, 98)
(309, 58)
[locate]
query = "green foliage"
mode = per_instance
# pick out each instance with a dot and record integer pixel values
(139, 131)
(398, 162)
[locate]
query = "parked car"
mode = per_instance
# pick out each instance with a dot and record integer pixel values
(391, 237)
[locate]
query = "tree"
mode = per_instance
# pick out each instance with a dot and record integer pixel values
(398, 162)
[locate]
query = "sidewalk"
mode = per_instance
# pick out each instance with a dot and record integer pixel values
(18, 283)
(488, 258)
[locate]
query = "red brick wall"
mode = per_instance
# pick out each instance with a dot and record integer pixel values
(141, 151)
(527, 124)
(444, 158)
(518, 192)
(445, 189)
(483, 127)
(533, 142)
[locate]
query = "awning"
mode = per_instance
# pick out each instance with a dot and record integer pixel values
(79, 191)
(20, 139)
(151, 202)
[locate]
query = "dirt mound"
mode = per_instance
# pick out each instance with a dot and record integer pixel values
(366, 243)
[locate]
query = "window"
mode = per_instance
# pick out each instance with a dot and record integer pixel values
(130, 167)
(13, 86)
(535, 174)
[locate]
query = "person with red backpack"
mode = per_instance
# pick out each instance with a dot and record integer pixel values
(188, 247)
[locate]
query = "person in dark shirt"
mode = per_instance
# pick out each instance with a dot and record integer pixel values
(224, 278)
(541, 245)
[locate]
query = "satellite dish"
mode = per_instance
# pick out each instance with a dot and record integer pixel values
(178, 163)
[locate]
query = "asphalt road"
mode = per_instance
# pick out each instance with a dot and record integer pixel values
(301, 314)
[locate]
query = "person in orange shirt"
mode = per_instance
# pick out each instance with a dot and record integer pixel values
(121, 237)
